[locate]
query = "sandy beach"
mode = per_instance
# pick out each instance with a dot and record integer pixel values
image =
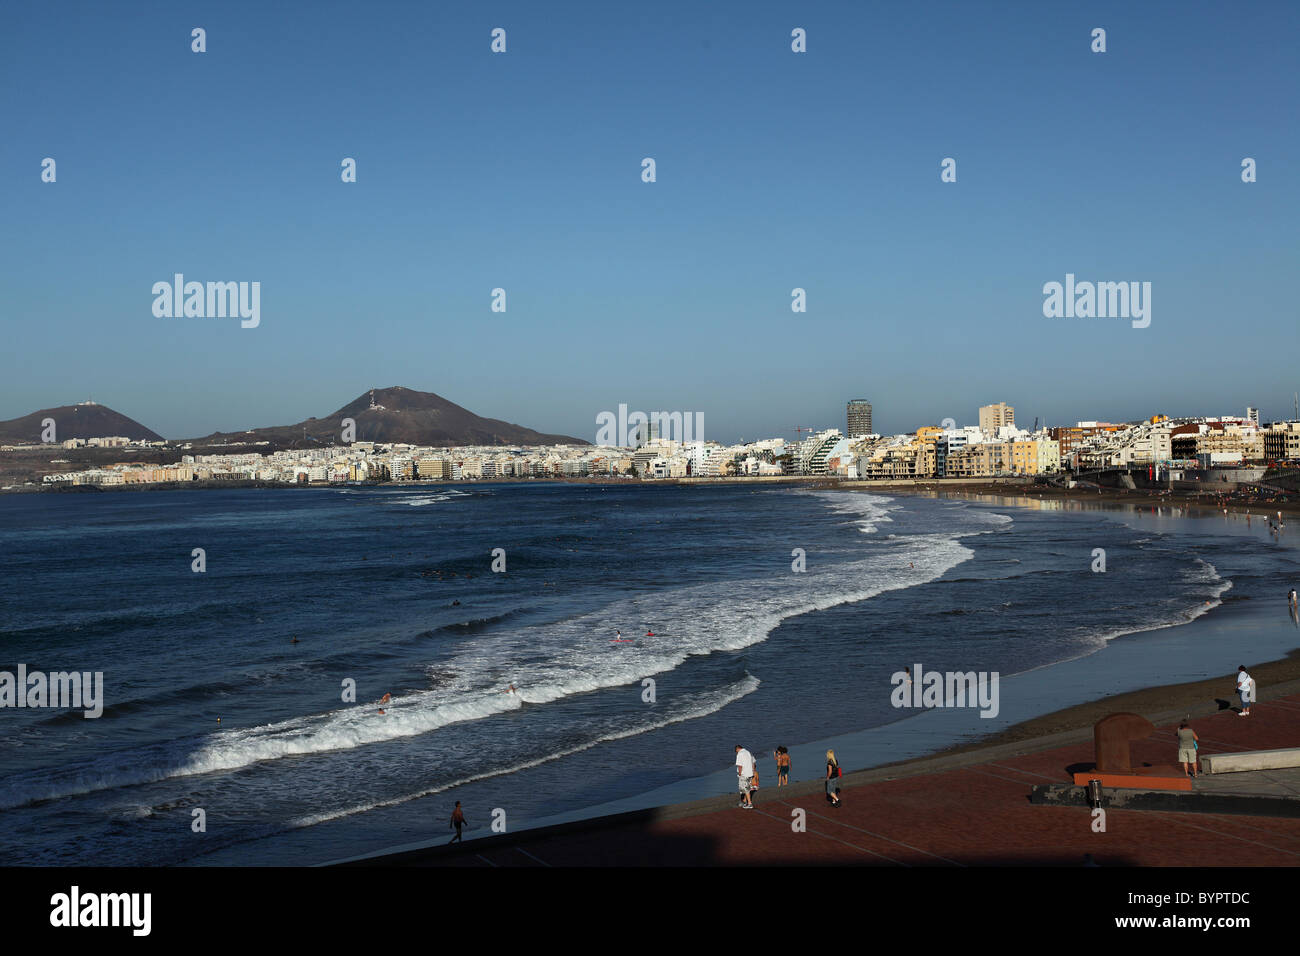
(1261, 634)
(1023, 491)
(1155, 699)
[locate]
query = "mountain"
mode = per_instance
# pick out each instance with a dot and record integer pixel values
(400, 414)
(84, 420)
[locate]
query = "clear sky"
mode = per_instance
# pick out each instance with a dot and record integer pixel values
(775, 170)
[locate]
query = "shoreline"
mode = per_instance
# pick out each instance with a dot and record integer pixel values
(1065, 727)
(1248, 622)
(1236, 502)
(1216, 502)
(1157, 699)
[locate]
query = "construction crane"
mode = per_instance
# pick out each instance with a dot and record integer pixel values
(802, 428)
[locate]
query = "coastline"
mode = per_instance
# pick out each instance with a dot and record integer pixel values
(1034, 720)
(1020, 494)
(1011, 491)
(1160, 699)
(953, 809)
(1068, 728)
(1156, 698)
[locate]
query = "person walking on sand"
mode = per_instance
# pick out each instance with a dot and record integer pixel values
(782, 766)
(457, 821)
(833, 774)
(1187, 747)
(1244, 682)
(744, 773)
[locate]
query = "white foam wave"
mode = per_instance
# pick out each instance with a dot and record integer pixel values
(417, 501)
(1209, 575)
(547, 662)
(871, 510)
(697, 706)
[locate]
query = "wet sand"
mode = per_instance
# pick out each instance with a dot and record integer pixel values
(1150, 700)
(1263, 506)
(924, 751)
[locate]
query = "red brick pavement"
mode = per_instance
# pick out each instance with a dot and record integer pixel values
(971, 816)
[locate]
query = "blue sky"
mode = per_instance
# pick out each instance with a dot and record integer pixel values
(775, 170)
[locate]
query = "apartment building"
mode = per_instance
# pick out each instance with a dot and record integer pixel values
(1222, 441)
(858, 418)
(993, 417)
(1034, 457)
(1070, 437)
(912, 459)
(982, 460)
(1282, 441)
(431, 468)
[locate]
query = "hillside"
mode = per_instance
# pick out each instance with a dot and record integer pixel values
(400, 414)
(74, 421)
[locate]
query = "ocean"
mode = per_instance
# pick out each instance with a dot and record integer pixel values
(210, 707)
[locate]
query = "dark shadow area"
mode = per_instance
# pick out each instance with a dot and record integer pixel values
(640, 849)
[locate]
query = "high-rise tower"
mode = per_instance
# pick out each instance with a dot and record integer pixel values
(859, 418)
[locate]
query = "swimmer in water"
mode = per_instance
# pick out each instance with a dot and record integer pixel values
(511, 690)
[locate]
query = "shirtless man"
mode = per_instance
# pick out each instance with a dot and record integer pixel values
(457, 821)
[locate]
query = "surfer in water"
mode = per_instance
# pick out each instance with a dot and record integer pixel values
(295, 639)
(511, 690)
(1291, 599)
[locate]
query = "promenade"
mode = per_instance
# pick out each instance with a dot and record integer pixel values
(965, 809)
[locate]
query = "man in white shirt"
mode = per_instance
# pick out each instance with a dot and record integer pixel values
(1245, 688)
(745, 772)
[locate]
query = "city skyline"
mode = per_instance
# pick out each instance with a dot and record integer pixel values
(976, 418)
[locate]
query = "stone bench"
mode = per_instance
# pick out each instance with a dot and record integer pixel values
(1251, 760)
